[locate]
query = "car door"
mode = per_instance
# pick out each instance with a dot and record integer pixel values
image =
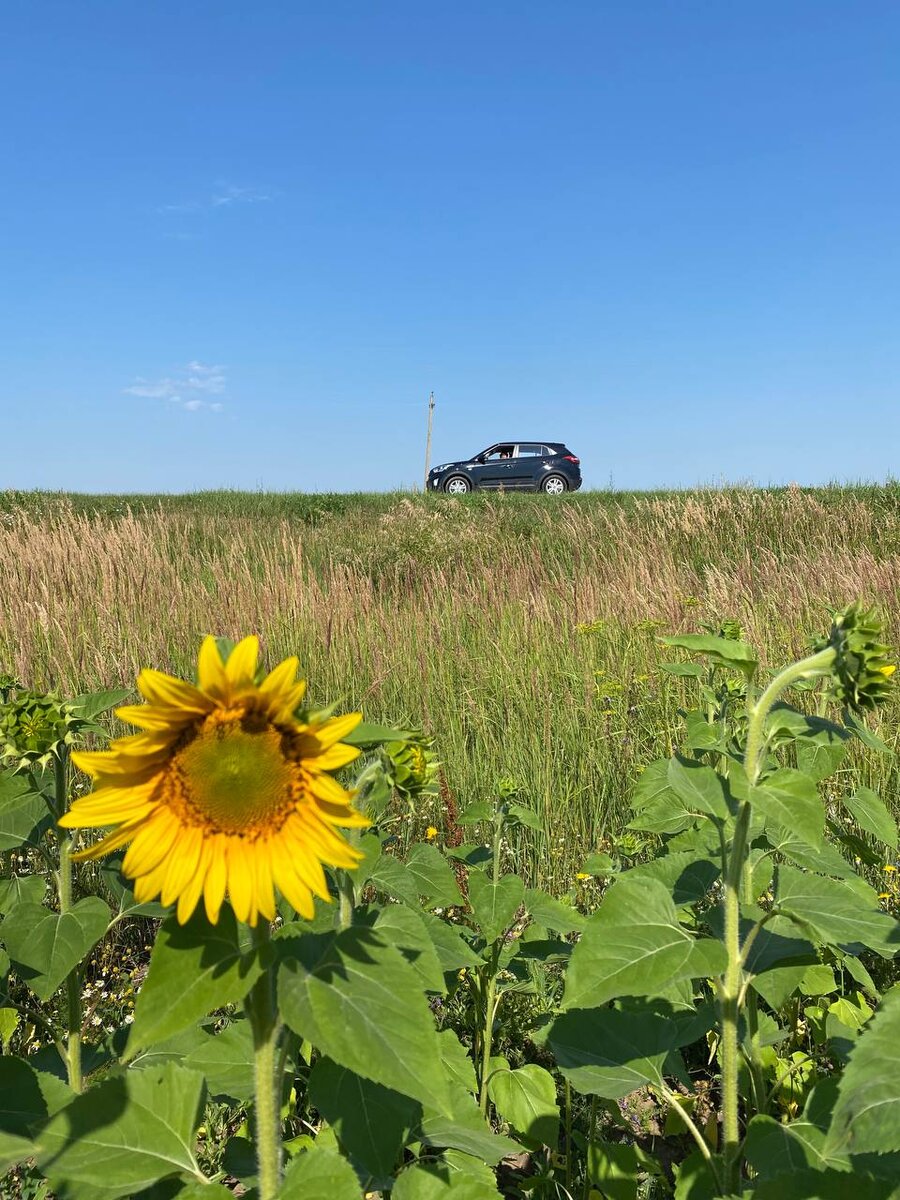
(528, 465)
(494, 467)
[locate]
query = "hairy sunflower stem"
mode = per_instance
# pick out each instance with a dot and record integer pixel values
(487, 1035)
(815, 664)
(731, 989)
(263, 1017)
(345, 899)
(64, 882)
(490, 994)
(592, 1122)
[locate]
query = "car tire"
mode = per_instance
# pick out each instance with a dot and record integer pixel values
(554, 485)
(458, 485)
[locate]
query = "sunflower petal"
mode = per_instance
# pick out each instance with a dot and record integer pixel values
(191, 892)
(148, 887)
(211, 677)
(84, 815)
(112, 841)
(284, 706)
(240, 880)
(327, 788)
(182, 863)
(152, 843)
(338, 727)
(336, 756)
(216, 879)
(159, 688)
(305, 863)
(241, 666)
(110, 762)
(294, 891)
(155, 716)
(280, 679)
(265, 894)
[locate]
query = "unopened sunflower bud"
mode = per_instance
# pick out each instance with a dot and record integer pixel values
(861, 672)
(413, 767)
(34, 729)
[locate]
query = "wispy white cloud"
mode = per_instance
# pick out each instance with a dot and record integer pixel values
(227, 193)
(188, 389)
(223, 195)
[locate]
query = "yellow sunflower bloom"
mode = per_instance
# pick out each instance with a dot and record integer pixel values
(224, 792)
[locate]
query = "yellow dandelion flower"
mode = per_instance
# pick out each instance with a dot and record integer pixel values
(225, 792)
(583, 875)
(889, 867)
(431, 833)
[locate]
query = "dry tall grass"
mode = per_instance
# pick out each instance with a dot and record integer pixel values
(462, 617)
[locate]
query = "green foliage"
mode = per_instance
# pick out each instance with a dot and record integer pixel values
(125, 1134)
(720, 976)
(358, 1000)
(194, 969)
(45, 947)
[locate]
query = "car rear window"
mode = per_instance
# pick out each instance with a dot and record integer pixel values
(531, 450)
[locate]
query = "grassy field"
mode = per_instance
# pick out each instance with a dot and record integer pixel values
(520, 632)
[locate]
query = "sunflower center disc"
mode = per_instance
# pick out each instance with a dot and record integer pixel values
(235, 778)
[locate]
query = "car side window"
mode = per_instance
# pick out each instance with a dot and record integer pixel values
(499, 452)
(531, 450)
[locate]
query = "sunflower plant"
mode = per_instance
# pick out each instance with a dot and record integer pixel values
(376, 1018)
(743, 916)
(298, 962)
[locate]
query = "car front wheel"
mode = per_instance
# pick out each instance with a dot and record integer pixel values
(458, 485)
(554, 485)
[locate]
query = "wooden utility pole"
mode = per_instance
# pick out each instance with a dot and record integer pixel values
(428, 438)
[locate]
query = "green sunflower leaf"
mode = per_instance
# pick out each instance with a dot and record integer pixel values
(619, 955)
(225, 1060)
(495, 905)
(866, 1118)
(404, 928)
(791, 800)
(45, 946)
(466, 1130)
(609, 1053)
(19, 889)
(871, 813)
(23, 812)
(371, 1122)
(721, 651)
(552, 913)
(92, 704)
(28, 1098)
(359, 1001)
(320, 1172)
(841, 911)
(526, 1098)
(434, 876)
(454, 1176)
(124, 1135)
(194, 969)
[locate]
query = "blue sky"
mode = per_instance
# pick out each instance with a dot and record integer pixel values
(240, 243)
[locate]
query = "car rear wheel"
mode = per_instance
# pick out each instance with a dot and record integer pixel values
(554, 485)
(457, 485)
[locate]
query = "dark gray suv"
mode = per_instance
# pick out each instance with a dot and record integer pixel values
(514, 466)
